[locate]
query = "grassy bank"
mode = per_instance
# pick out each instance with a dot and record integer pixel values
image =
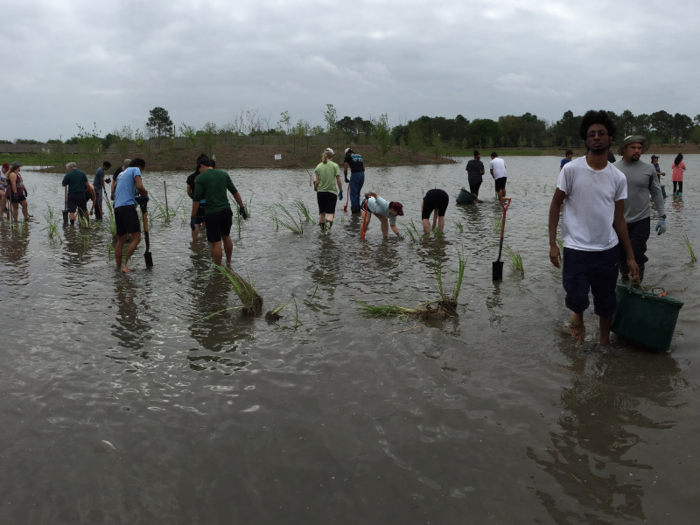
(249, 156)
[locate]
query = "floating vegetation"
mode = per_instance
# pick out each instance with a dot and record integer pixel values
(422, 311)
(52, 225)
(304, 210)
(459, 227)
(245, 290)
(515, 261)
(689, 247)
(289, 222)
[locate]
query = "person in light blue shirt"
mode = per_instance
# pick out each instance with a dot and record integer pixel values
(125, 216)
(385, 211)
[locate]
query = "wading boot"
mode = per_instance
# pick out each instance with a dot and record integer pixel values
(322, 225)
(355, 210)
(329, 225)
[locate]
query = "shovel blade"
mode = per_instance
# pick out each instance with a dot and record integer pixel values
(149, 259)
(497, 270)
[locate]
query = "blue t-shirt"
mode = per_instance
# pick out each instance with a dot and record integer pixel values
(99, 177)
(126, 187)
(564, 162)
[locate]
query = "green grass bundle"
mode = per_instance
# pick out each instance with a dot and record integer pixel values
(245, 290)
(52, 225)
(515, 261)
(305, 212)
(289, 222)
(689, 247)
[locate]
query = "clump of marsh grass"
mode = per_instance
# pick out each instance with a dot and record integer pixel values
(289, 222)
(245, 290)
(515, 261)
(304, 210)
(449, 301)
(459, 226)
(689, 247)
(52, 225)
(274, 217)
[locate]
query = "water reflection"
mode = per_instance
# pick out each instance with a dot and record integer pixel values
(602, 407)
(14, 243)
(132, 328)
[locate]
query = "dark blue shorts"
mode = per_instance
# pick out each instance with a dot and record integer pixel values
(595, 272)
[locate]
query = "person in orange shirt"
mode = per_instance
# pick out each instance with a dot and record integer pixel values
(677, 177)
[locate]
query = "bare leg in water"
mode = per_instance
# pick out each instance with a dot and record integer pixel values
(118, 249)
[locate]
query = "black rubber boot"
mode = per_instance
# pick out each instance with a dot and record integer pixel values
(322, 225)
(355, 210)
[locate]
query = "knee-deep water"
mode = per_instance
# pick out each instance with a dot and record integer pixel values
(122, 402)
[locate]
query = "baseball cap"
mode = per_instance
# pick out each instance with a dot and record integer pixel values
(16, 164)
(6, 165)
(394, 205)
(348, 149)
(654, 157)
(329, 150)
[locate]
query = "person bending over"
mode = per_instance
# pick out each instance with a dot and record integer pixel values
(385, 211)
(435, 202)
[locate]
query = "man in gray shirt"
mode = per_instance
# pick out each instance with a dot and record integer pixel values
(641, 182)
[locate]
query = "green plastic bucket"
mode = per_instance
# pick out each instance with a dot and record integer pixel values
(465, 197)
(644, 317)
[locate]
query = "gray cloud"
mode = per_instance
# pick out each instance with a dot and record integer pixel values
(78, 61)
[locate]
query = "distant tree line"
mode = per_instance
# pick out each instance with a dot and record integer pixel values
(434, 133)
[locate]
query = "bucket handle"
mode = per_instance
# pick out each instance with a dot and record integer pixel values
(663, 291)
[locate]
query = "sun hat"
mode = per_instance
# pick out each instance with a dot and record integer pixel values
(329, 150)
(632, 139)
(395, 205)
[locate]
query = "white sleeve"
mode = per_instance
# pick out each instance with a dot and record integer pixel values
(563, 181)
(621, 191)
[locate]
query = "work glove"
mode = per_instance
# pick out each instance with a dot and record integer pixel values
(340, 195)
(661, 226)
(192, 225)
(368, 196)
(243, 213)
(142, 201)
(347, 180)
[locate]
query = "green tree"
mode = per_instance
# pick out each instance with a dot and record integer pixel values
(285, 121)
(436, 142)
(484, 132)
(190, 134)
(159, 124)
(90, 142)
(382, 133)
(208, 133)
(331, 118)
(415, 140)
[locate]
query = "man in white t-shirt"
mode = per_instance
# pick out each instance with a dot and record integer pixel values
(593, 193)
(497, 167)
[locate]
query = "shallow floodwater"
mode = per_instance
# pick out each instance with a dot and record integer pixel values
(120, 405)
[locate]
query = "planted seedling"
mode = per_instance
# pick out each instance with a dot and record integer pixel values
(689, 246)
(274, 314)
(245, 290)
(515, 261)
(459, 226)
(450, 301)
(289, 222)
(304, 210)
(52, 225)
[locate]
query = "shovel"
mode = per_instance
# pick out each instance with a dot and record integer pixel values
(498, 264)
(65, 207)
(148, 257)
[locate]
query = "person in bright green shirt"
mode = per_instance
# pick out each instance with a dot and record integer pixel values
(327, 179)
(212, 185)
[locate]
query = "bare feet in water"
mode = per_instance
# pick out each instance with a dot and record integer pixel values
(126, 270)
(578, 329)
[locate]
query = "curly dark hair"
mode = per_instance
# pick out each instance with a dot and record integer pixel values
(596, 117)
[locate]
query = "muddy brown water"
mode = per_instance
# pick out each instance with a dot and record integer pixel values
(121, 406)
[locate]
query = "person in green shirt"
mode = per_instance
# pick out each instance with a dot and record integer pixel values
(211, 185)
(77, 183)
(327, 179)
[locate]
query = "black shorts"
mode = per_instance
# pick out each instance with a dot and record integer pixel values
(435, 200)
(474, 188)
(326, 201)
(17, 198)
(501, 183)
(76, 200)
(219, 224)
(126, 219)
(201, 212)
(595, 272)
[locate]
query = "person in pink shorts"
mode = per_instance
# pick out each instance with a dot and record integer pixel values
(677, 177)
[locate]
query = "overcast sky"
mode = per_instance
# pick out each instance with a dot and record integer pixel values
(82, 61)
